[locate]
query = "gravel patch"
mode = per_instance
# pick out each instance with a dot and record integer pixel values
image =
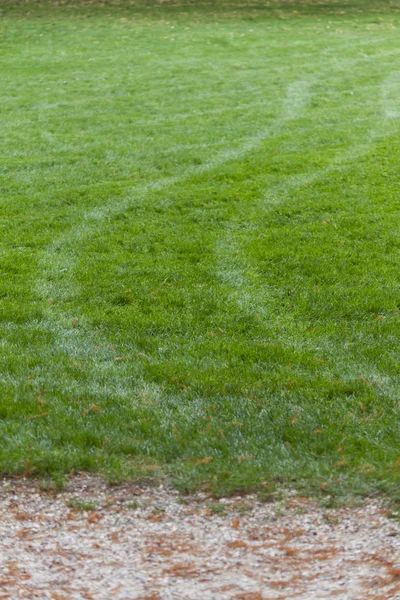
(96, 542)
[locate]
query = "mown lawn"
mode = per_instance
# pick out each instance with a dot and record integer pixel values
(200, 244)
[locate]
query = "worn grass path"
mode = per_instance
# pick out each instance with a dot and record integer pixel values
(200, 243)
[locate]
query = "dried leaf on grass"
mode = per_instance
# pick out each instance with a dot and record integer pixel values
(37, 416)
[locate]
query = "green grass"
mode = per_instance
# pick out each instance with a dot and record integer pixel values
(200, 243)
(81, 506)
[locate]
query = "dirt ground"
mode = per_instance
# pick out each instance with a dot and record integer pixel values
(96, 542)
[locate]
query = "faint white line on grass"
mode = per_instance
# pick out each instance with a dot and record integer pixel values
(247, 294)
(390, 93)
(297, 98)
(56, 282)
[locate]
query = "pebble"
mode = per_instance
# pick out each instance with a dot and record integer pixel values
(96, 542)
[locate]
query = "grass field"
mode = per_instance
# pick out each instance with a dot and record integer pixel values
(200, 245)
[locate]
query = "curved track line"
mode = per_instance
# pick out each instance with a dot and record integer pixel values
(250, 298)
(56, 283)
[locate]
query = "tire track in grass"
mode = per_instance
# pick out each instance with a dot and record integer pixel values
(391, 96)
(233, 268)
(97, 216)
(56, 283)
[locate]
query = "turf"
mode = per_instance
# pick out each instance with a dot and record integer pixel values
(200, 243)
